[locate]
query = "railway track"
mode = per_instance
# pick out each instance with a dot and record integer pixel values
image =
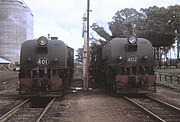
(12, 111)
(24, 113)
(158, 109)
(8, 83)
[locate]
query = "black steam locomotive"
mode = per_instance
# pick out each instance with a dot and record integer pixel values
(46, 67)
(125, 65)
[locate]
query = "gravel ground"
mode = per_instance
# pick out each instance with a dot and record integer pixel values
(8, 80)
(96, 106)
(168, 95)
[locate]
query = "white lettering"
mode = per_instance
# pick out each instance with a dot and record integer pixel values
(42, 61)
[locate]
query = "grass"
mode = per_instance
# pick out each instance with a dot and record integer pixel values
(173, 72)
(169, 84)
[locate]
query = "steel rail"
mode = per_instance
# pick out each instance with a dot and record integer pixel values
(12, 111)
(47, 107)
(162, 102)
(149, 112)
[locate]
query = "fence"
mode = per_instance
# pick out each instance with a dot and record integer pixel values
(167, 77)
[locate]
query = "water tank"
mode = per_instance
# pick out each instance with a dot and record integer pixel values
(16, 26)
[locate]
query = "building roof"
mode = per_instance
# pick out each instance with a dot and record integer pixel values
(4, 61)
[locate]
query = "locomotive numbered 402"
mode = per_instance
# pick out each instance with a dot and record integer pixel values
(125, 65)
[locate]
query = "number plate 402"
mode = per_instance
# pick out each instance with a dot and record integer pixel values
(132, 59)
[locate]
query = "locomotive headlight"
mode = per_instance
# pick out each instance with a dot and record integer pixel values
(145, 57)
(120, 58)
(55, 60)
(132, 39)
(42, 41)
(29, 60)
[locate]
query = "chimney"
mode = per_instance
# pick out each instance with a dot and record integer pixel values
(54, 38)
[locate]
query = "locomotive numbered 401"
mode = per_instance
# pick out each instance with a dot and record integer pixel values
(46, 67)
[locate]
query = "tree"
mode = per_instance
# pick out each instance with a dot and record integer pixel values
(124, 22)
(79, 56)
(154, 23)
(174, 19)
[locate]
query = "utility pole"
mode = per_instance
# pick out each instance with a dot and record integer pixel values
(176, 16)
(176, 33)
(87, 69)
(86, 49)
(87, 80)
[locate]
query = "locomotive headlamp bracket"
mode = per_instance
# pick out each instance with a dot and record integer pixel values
(132, 39)
(42, 41)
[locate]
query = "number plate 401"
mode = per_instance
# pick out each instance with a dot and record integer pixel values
(42, 61)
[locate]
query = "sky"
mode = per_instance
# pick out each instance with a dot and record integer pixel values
(63, 18)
